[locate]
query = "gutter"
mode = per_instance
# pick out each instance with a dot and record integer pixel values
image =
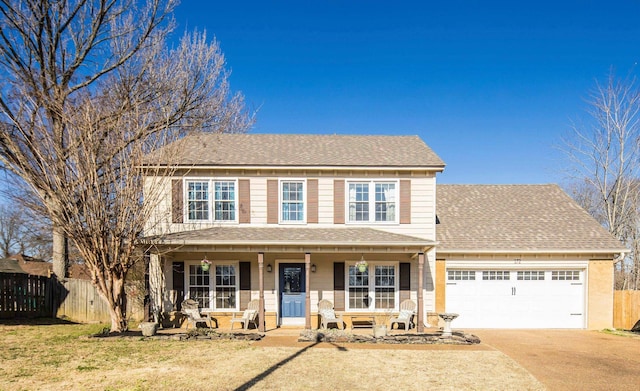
(294, 243)
(513, 251)
(438, 168)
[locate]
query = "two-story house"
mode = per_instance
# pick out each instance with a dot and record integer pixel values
(285, 219)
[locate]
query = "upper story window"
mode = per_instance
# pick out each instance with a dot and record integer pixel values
(373, 201)
(292, 201)
(224, 200)
(198, 200)
(211, 198)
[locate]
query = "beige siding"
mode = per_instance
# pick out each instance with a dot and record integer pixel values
(423, 214)
(158, 196)
(325, 201)
(422, 204)
(258, 201)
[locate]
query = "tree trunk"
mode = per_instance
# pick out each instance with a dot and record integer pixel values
(116, 299)
(60, 253)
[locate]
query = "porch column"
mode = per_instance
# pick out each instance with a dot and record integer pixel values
(420, 323)
(156, 286)
(307, 293)
(261, 326)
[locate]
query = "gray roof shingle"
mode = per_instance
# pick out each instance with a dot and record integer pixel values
(9, 265)
(205, 149)
(279, 236)
(511, 218)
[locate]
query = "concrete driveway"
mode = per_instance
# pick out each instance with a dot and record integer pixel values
(571, 359)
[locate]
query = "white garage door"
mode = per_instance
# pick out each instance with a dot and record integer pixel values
(516, 298)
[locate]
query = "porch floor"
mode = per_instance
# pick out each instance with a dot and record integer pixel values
(290, 331)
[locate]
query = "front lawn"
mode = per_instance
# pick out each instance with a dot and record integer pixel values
(57, 356)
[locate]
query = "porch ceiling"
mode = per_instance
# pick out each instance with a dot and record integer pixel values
(293, 239)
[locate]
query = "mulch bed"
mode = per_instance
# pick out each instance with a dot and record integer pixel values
(457, 338)
(197, 334)
(334, 336)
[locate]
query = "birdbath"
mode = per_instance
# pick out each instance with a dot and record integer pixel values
(447, 317)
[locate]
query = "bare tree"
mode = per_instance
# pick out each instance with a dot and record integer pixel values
(22, 232)
(91, 87)
(605, 162)
(12, 231)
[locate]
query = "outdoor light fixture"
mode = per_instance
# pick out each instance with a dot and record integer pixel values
(313, 268)
(269, 268)
(362, 264)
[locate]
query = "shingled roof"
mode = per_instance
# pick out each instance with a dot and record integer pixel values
(8, 265)
(287, 150)
(292, 236)
(516, 218)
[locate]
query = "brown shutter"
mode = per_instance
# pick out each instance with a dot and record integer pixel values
(405, 202)
(272, 201)
(405, 281)
(338, 286)
(244, 198)
(177, 206)
(245, 284)
(178, 283)
(338, 201)
(312, 201)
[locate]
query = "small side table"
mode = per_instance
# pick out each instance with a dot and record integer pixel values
(362, 321)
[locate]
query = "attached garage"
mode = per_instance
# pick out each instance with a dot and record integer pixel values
(523, 298)
(522, 256)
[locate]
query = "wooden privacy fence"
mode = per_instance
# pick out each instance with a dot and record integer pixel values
(25, 296)
(83, 304)
(626, 309)
(30, 296)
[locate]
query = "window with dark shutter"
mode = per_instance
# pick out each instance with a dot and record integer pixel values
(405, 202)
(177, 206)
(338, 201)
(312, 201)
(245, 284)
(178, 283)
(338, 286)
(405, 281)
(244, 197)
(272, 201)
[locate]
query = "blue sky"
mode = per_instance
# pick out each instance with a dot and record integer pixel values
(490, 86)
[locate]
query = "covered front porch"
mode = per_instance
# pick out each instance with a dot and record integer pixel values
(288, 271)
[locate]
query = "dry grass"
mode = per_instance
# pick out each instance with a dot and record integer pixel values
(55, 357)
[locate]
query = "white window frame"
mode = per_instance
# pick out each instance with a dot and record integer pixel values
(372, 286)
(188, 285)
(496, 275)
(461, 275)
(371, 183)
(566, 275)
(530, 275)
(281, 200)
(211, 200)
(212, 283)
(188, 200)
(236, 266)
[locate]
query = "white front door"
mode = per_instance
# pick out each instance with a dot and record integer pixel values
(516, 298)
